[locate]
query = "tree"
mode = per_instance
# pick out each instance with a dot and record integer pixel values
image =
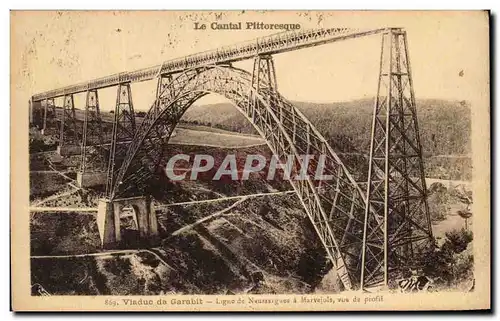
(466, 198)
(438, 201)
(457, 241)
(313, 265)
(452, 262)
(465, 214)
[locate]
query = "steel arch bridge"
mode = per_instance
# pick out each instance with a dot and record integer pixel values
(368, 233)
(335, 207)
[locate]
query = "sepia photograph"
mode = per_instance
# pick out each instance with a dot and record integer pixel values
(250, 160)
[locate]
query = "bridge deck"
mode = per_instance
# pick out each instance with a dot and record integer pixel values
(273, 44)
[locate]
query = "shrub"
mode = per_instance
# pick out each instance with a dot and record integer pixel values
(313, 265)
(453, 262)
(39, 145)
(119, 266)
(438, 202)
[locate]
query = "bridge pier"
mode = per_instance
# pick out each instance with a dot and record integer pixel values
(123, 130)
(92, 147)
(30, 110)
(109, 221)
(69, 135)
(36, 113)
(48, 105)
(90, 179)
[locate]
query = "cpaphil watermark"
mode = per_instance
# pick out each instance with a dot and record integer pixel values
(290, 167)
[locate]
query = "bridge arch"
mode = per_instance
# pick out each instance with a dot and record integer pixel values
(335, 207)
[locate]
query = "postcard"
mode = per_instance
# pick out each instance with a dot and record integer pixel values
(250, 160)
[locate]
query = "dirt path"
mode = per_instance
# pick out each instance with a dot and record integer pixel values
(42, 209)
(106, 253)
(224, 199)
(94, 209)
(54, 197)
(69, 256)
(447, 182)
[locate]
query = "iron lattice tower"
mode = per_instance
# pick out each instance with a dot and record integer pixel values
(264, 77)
(93, 150)
(397, 228)
(69, 132)
(264, 83)
(123, 131)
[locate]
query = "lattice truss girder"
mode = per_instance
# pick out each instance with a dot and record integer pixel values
(398, 223)
(336, 207)
(94, 151)
(280, 42)
(70, 132)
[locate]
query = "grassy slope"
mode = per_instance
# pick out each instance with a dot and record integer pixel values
(445, 126)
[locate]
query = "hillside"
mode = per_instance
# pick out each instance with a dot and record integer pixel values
(253, 238)
(445, 129)
(444, 125)
(217, 236)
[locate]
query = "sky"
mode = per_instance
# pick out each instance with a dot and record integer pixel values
(448, 51)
